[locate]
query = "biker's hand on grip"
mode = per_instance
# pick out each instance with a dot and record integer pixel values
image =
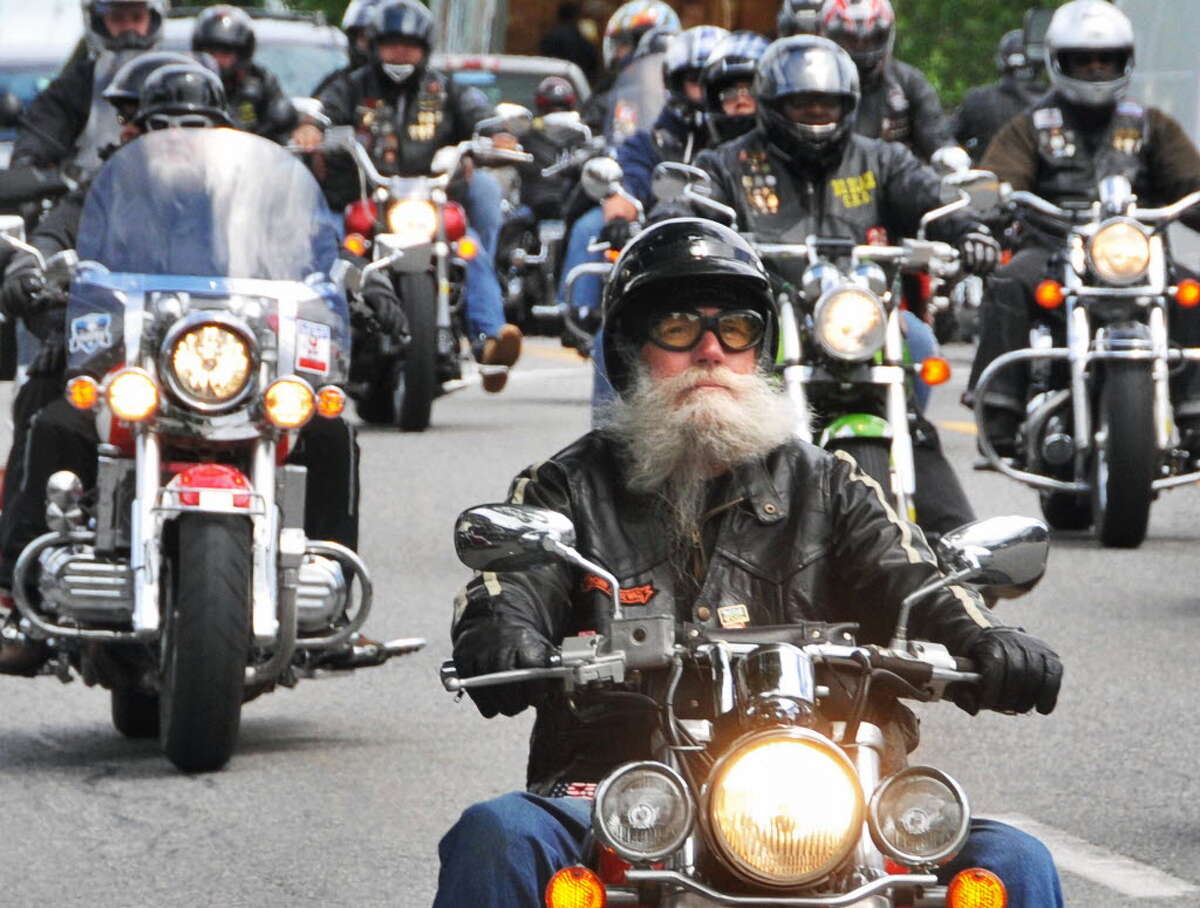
(980, 251)
(495, 647)
(1018, 672)
(23, 284)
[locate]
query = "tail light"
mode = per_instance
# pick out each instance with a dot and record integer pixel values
(361, 217)
(454, 220)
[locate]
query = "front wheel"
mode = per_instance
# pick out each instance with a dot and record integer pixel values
(874, 457)
(417, 384)
(1125, 456)
(206, 641)
(1066, 510)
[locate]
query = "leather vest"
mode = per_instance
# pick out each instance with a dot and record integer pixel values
(884, 110)
(403, 136)
(1070, 167)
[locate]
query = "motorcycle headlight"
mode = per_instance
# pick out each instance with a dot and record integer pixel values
(643, 812)
(850, 323)
(1120, 252)
(413, 218)
(919, 817)
(209, 365)
(784, 808)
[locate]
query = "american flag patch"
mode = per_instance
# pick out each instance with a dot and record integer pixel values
(573, 790)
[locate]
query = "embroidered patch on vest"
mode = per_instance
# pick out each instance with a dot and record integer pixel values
(1047, 118)
(634, 595)
(854, 192)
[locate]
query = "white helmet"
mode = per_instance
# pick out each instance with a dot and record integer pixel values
(1089, 25)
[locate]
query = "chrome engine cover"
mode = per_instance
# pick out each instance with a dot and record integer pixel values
(322, 594)
(80, 587)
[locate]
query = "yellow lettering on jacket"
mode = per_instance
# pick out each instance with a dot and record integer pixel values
(854, 192)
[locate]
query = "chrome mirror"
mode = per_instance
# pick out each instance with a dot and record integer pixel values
(999, 551)
(563, 126)
(600, 177)
(511, 537)
(982, 187)
(346, 275)
(312, 110)
(514, 118)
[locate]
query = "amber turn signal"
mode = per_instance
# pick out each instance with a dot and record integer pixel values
(331, 401)
(1049, 294)
(935, 371)
(356, 244)
(575, 887)
(612, 255)
(466, 248)
(976, 888)
(83, 392)
(1187, 294)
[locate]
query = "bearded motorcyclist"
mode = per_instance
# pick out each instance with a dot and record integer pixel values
(61, 437)
(799, 17)
(696, 494)
(69, 122)
(987, 108)
(256, 100)
(404, 111)
(804, 164)
(1084, 130)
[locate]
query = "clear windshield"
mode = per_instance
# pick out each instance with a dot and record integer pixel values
(207, 203)
(636, 99)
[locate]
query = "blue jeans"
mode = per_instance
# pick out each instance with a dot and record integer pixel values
(502, 853)
(484, 302)
(922, 344)
(588, 289)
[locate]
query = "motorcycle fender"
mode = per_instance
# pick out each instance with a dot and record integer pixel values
(212, 487)
(1125, 332)
(856, 425)
(411, 257)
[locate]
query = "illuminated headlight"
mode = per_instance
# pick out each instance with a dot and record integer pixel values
(211, 364)
(784, 808)
(850, 323)
(131, 394)
(1120, 252)
(919, 817)
(413, 218)
(289, 402)
(643, 812)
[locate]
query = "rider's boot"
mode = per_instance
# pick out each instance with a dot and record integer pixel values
(502, 350)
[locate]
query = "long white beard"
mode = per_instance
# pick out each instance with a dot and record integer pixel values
(676, 439)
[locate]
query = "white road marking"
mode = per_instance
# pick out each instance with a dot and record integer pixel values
(1115, 871)
(471, 376)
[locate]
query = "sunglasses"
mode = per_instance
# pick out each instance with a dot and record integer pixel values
(733, 92)
(180, 121)
(736, 329)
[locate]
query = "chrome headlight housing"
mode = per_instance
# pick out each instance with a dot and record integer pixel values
(1119, 252)
(784, 808)
(643, 812)
(416, 218)
(919, 817)
(850, 323)
(209, 360)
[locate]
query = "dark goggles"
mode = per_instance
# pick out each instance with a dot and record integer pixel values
(736, 329)
(177, 121)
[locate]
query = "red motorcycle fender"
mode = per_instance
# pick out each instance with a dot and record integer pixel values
(214, 485)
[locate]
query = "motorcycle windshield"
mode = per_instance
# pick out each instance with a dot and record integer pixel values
(636, 98)
(207, 203)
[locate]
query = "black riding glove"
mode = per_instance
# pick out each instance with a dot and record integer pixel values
(51, 359)
(1018, 672)
(386, 307)
(23, 285)
(496, 647)
(980, 251)
(616, 233)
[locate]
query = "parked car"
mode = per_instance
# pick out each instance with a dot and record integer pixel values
(510, 77)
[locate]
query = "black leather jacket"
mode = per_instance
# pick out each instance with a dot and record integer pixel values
(803, 535)
(899, 105)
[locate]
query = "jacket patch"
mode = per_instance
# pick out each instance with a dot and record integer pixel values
(1047, 118)
(734, 615)
(634, 595)
(854, 192)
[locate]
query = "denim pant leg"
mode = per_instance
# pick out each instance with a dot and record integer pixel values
(586, 294)
(485, 209)
(485, 305)
(502, 853)
(1020, 860)
(922, 344)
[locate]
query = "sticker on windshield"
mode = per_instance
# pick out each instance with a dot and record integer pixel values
(314, 344)
(90, 333)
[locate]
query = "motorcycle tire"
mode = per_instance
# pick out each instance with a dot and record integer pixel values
(377, 407)
(135, 713)
(1125, 456)
(416, 382)
(206, 641)
(874, 457)
(1066, 510)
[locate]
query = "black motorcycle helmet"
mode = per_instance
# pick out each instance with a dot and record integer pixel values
(224, 28)
(1010, 53)
(99, 36)
(124, 92)
(734, 59)
(685, 57)
(680, 262)
(799, 65)
(182, 89)
(406, 20)
(357, 23)
(799, 17)
(554, 93)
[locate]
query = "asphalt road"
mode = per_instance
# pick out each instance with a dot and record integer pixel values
(341, 788)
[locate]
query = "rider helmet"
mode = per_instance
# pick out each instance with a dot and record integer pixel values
(225, 28)
(125, 90)
(402, 20)
(554, 93)
(685, 58)
(806, 64)
(799, 17)
(865, 28)
(1010, 52)
(1089, 27)
(655, 41)
(182, 95)
(680, 262)
(99, 38)
(357, 24)
(629, 23)
(734, 59)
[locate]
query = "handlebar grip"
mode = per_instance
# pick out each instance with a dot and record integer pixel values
(910, 670)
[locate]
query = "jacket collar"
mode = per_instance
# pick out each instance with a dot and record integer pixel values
(763, 488)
